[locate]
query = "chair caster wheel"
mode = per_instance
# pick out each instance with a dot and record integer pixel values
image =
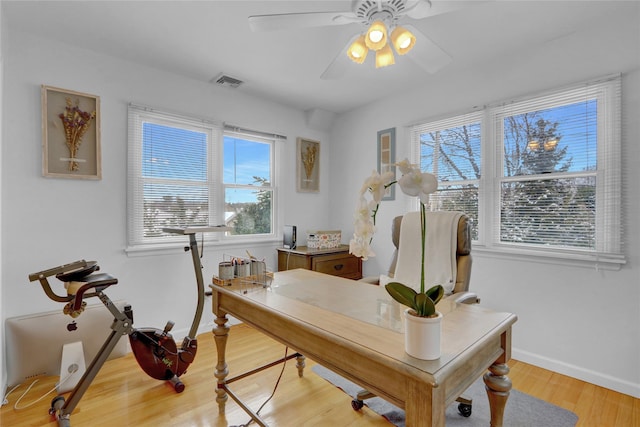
(357, 404)
(464, 409)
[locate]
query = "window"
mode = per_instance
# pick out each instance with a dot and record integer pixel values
(187, 171)
(451, 150)
(248, 190)
(536, 176)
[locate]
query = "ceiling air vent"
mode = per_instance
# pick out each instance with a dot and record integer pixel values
(224, 80)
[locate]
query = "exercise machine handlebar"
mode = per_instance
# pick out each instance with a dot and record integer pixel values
(42, 276)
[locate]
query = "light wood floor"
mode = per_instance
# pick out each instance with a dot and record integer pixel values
(122, 395)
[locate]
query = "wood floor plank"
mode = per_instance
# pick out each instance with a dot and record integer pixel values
(122, 395)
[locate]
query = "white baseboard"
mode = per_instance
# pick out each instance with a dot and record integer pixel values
(593, 377)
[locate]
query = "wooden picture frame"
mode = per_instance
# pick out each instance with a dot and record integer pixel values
(307, 165)
(70, 134)
(387, 158)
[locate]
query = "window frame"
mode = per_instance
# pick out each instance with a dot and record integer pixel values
(608, 253)
(137, 244)
(260, 137)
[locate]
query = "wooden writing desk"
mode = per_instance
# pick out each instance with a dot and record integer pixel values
(355, 330)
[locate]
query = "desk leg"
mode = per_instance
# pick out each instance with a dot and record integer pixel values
(300, 364)
(498, 386)
(220, 334)
(425, 405)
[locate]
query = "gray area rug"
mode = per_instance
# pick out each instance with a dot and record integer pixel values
(522, 410)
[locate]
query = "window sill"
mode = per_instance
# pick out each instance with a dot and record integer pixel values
(575, 259)
(176, 248)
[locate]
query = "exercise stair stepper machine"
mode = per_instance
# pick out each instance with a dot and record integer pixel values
(155, 350)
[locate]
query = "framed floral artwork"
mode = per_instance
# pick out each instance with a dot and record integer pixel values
(308, 165)
(70, 134)
(387, 157)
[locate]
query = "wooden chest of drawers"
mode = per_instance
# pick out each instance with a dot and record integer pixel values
(337, 261)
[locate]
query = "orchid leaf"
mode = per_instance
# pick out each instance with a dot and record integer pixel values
(436, 293)
(426, 307)
(421, 304)
(401, 293)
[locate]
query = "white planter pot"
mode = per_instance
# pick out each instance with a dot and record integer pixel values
(422, 335)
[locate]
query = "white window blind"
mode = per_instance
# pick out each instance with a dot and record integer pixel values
(559, 170)
(171, 178)
(451, 149)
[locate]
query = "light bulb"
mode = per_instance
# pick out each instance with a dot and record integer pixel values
(376, 36)
(358, 51)
(403, 40)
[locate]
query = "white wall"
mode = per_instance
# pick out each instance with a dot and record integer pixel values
(574, 320)
(47, 222)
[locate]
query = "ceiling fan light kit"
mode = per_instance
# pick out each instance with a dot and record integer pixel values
(376, 39)
(383, 34)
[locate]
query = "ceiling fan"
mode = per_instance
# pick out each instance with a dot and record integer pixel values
(370, 13)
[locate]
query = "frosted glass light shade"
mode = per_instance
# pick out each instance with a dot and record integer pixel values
(376, 36)
(403, 40)
(384, 57)
(358, 50)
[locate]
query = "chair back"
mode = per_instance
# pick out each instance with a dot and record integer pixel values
(463, 251)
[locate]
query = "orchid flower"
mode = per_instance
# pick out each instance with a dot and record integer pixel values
(415, 183)
(377, 184)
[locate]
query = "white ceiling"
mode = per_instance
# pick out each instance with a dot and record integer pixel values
(201, 39)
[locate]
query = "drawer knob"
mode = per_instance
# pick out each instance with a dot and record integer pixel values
(338, 267)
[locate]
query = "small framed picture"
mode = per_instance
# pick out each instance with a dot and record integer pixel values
(387, 157)
(70, 134)
(308, 165)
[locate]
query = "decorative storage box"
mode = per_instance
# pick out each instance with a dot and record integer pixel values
(324, 239)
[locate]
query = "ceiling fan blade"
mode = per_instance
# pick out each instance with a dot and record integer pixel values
(291, 21)
(425, 53)
(340, 63)
(424, 8)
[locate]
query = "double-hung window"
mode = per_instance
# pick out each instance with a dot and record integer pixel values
(187, 171)
(537, 176)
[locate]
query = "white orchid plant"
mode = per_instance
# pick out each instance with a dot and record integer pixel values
(413, 182)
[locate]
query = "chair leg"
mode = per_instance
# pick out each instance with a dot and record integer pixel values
(358, 402)
(364, 394)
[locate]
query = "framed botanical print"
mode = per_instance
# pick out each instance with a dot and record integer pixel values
(307, 166)
(70, 134)
(387, 157)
